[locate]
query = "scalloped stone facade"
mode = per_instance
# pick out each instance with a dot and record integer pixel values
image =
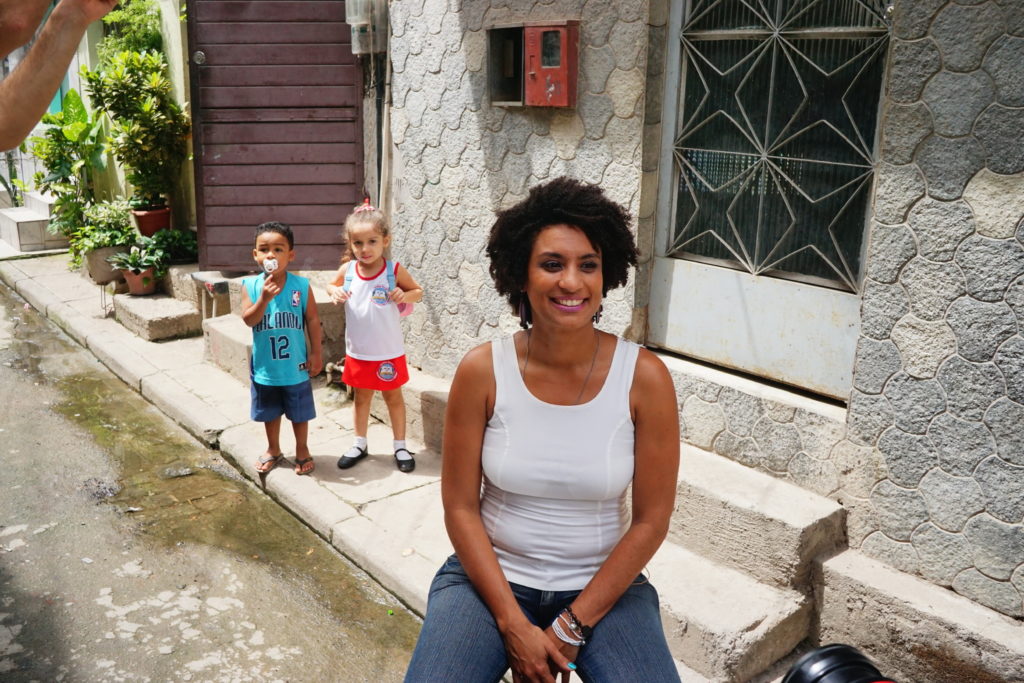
(928, 455)
(940, 363)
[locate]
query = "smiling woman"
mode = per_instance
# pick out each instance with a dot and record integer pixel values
(545, 432)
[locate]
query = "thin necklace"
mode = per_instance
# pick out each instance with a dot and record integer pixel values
(593, 361)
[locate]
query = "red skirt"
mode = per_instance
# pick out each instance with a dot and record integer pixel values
(380, 375)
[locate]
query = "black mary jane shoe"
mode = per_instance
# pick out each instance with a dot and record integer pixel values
(405, 464)
(346, 461)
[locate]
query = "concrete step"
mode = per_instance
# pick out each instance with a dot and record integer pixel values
(228, 345)
(915, 630)
(26, 230)
(157, 317)
(722, 623)
(748, 520)
(39, 202)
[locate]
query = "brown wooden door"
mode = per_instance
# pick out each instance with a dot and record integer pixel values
(276, 99)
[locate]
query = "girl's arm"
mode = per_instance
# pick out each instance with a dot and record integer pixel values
(656, 464)
(335, 288)
(315, 359)
(406, 291)
(470, 405)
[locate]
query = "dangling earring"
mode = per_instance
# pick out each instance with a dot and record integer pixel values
(525, 313)
(597, 316)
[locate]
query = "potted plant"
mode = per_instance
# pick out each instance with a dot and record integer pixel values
(148, 132)
(142, 266)
(180, 246)
(106, 229)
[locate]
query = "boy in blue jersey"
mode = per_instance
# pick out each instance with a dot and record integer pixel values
(280, 309)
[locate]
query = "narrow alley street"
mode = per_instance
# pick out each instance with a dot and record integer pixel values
(130, 552)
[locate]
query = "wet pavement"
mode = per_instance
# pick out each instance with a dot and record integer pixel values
(129, 551)
(388, 523)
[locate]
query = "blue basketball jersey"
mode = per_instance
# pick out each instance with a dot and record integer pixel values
(279, 340)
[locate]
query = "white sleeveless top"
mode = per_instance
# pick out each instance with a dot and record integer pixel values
(372, 327)
(555, 477)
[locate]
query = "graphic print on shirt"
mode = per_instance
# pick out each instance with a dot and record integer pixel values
(380, 295)
(281, 320)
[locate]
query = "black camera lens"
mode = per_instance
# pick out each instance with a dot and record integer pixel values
(834, 664)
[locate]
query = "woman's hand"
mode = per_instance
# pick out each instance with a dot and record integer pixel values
(570, 652)
(534, 655)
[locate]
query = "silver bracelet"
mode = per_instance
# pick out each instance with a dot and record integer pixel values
(563, 636)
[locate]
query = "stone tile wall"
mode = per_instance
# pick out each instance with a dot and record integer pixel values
(928, 458)
(456, 159)
(938, 399)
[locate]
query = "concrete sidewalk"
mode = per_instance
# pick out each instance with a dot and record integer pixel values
(387, 522)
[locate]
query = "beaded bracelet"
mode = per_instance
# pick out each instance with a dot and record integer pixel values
(578, 626)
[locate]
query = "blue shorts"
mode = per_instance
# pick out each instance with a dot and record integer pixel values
(295, 401)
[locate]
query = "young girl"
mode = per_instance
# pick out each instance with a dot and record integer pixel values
(372, 288)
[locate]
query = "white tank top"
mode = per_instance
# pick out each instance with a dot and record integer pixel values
(555, 477)
(372, 327)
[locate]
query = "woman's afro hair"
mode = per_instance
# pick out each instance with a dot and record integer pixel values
(562, 200)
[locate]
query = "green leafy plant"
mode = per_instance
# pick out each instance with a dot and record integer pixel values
(149, 131)
(133, 26)
(71, 148)
(105, 224)
(140, 257)
(181, 246)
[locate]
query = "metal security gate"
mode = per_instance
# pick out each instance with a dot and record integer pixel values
(276, 96)
(768, 174)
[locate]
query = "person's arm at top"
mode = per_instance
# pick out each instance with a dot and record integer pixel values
(656, 464)
(19, 20)
(406, 291)
(27, 92)
(470, 404)
(315, 359)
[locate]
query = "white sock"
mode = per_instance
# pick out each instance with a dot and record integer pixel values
(360, 442)
(404, 455)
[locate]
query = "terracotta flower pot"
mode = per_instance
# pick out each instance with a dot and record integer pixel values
(142, 283)
(99, 269)
(149, 221)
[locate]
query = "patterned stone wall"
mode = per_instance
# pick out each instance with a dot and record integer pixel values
(938, 400)
(456, 159)
(928, 458)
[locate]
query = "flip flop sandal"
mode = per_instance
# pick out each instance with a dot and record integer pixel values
(300, 466)
(268, 462)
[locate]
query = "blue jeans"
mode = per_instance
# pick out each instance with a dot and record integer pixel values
(460, 641)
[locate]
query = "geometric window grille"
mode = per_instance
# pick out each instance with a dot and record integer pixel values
(776, 137)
